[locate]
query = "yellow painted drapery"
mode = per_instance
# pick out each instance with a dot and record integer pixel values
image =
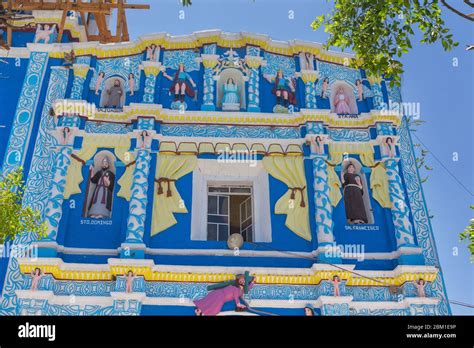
(378, 175)
(90, 144)
(294, 203)
(167, 200)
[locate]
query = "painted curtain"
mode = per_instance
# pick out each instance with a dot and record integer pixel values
(294, 203)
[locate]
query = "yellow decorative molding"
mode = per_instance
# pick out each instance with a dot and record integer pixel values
(151, 70)
(188, 277)
(253, 62)
(309, 76)
(209, 60)
(295, 120)
(194, 40)
(374, 79)
(80, 70)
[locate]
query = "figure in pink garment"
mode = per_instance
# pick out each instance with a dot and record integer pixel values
(341, 102)
(36, 275)
(215, 300)
(129, 278)
(335, 283)
(131, 83)
(98, 83)
(420, 287)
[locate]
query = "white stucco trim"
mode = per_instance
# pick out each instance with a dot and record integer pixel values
(212, 171)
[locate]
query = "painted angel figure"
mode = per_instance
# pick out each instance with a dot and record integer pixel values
(389, 147)
(129, 278)
(131, 83)
(144, 140)
(152, 52)
(98, 83)
(36, 276)
(44, 33)
(362, 91)
(335, 284)
(420, 287)
(322, 88)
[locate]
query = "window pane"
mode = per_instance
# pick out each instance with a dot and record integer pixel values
(218, 219)
(223, 205)
(211, 232)
(218, 189)
(242, 213)
(240, 190)
(223, 232)
(212, 205)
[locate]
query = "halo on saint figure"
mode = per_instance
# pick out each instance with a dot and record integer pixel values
(99, 158)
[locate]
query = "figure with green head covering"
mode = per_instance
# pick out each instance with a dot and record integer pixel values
(224, 292)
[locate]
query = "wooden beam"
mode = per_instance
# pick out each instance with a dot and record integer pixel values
(86, 7)
(63, 22)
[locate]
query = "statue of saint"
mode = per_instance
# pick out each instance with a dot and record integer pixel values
(131, 83)
(284, 89)
(100, 206)
(182, 83)
(309, 310)
(231, 98)
(224, 292)
(353, 201)
(341, 102)
(114, 94)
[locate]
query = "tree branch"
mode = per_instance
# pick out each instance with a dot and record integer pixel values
(459, 13)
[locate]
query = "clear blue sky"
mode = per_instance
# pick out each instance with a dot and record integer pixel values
(444, 91)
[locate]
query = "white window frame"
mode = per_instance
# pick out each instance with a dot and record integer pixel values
(212, 172)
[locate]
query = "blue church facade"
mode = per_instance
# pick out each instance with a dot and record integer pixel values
(188, 160)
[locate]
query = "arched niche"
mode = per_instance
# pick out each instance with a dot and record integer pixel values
(239, 80)
(365, 197)
(348, 92)
(97, 166)
(108, 84)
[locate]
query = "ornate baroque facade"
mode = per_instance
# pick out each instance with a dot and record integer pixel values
(206, 136)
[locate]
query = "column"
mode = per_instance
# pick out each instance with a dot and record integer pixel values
(309, 77)
(209, 61)
(375, 83)
(42, 162)
(253, 99)
(54, 211)
(25, 111)
(133, 246)
(152, 70)
(400, 216)
(80, 74)
(327, 250)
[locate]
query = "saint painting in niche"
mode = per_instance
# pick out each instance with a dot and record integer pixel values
(341, 102)
(101, 187)
(231, 98)
(114, 95)
(353, 192)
